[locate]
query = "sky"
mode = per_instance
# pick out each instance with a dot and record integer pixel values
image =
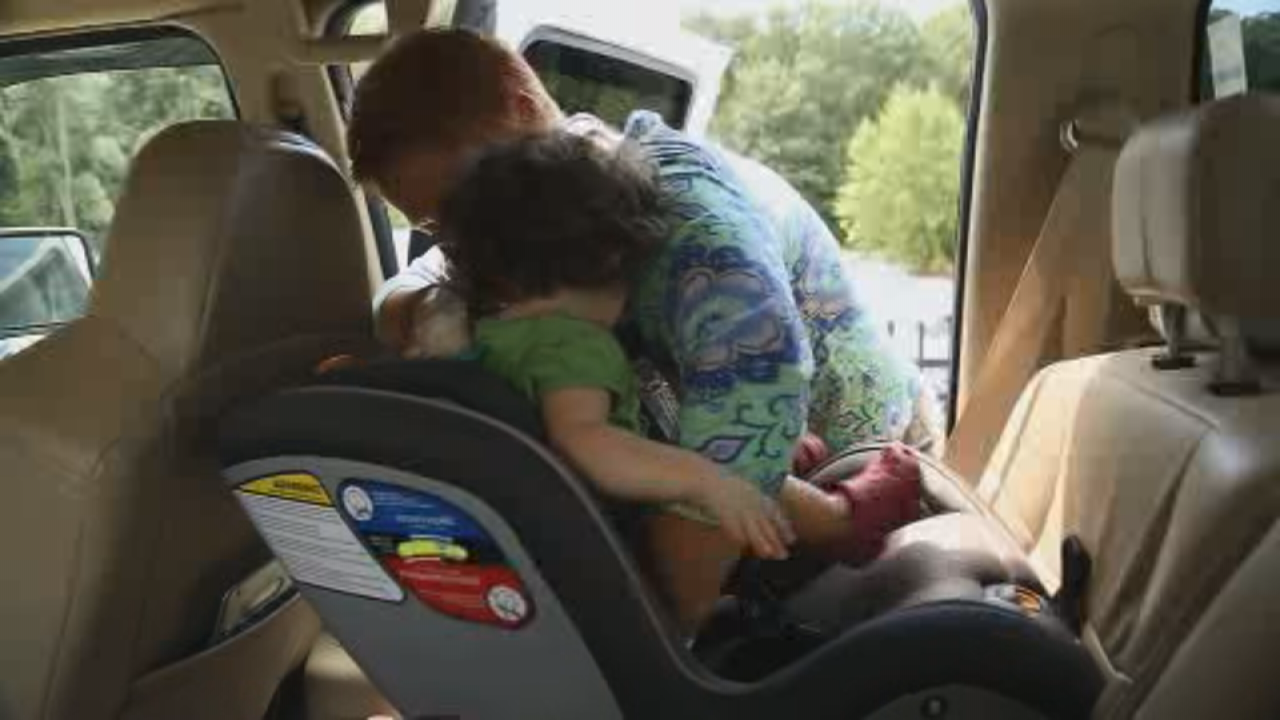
(667, 9)
(919, 9)
(1248, 7)
(655, 18)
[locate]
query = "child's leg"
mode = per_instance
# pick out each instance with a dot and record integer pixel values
(692, 560)
(819, 518)
(854, 520)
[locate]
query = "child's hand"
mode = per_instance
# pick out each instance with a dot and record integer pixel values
(746, 516)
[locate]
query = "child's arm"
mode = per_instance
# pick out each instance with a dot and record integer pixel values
(630, 467)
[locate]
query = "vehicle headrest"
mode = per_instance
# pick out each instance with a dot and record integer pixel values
(229, 238)
(1196, 206)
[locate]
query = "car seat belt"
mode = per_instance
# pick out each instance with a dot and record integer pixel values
(1066, 291)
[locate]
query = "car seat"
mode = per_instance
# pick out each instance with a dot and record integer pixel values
(471, 574)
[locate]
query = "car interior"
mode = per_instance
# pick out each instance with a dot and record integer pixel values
(202, 526)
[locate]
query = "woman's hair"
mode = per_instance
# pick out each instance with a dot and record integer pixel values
(549, 212)
(439, 88)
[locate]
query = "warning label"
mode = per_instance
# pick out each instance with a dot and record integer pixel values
(293, 512)
(289, 486)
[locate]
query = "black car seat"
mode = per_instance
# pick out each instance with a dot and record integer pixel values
(471, 574)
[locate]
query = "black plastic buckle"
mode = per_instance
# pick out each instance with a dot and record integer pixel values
(1069, 602)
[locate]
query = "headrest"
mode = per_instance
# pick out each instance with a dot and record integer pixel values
(1196, 208)
(230, 238)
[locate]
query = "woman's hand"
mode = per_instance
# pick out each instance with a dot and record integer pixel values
(745, 515)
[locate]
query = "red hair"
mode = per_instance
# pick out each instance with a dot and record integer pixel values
(440, 88)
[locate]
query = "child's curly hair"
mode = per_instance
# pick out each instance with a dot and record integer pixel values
(548, 212)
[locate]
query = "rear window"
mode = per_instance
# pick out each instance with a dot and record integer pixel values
(73, 113)
(609, 88)
(1241, 48)
(73, 116)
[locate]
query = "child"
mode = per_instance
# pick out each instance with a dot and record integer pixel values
(542, 235)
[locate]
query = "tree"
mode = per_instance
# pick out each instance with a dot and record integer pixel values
(10, 210)
(949, 47)
(66, 141)
(804, 78)
(1262, 51)
(900, 197)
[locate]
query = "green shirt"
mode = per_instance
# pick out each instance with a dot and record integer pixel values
(553, 352)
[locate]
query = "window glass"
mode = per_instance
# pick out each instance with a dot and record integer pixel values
(44, 280)
(71, 120)
(862, 106)
(68, 131)
(1241, 48)
(610, 88)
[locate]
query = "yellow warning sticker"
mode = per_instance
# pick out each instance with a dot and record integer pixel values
(289, 486)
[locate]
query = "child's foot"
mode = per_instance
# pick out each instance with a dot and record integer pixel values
(882, 498)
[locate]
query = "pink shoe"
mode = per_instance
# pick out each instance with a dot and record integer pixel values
(884, 497)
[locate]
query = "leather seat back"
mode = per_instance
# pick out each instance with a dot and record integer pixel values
(233, 264)
(1170, 477)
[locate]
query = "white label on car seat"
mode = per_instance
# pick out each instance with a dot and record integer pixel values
(297, 518)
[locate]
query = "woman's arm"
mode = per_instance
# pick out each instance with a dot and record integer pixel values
(629, 467)
(415, 316)
(393, 316)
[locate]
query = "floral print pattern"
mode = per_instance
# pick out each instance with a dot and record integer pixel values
(756, 316)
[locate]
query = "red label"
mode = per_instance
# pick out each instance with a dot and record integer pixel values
(490, 594)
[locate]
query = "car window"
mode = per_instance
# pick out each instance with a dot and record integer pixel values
(583, 80)
(1241, 48)
(72, 116)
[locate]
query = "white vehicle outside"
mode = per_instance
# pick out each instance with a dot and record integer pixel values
(45, 275)
(657, 44)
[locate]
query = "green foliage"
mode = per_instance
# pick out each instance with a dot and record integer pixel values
(804, 77)
(900, 197)
(949, 47)
(66, 142)
(1261, 38)
(1262, 51)
(10, 212)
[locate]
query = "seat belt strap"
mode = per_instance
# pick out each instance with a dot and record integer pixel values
(1058, 290)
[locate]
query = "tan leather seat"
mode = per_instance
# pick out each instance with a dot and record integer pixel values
(336, 688)
(233, 265)
(1170, 477)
